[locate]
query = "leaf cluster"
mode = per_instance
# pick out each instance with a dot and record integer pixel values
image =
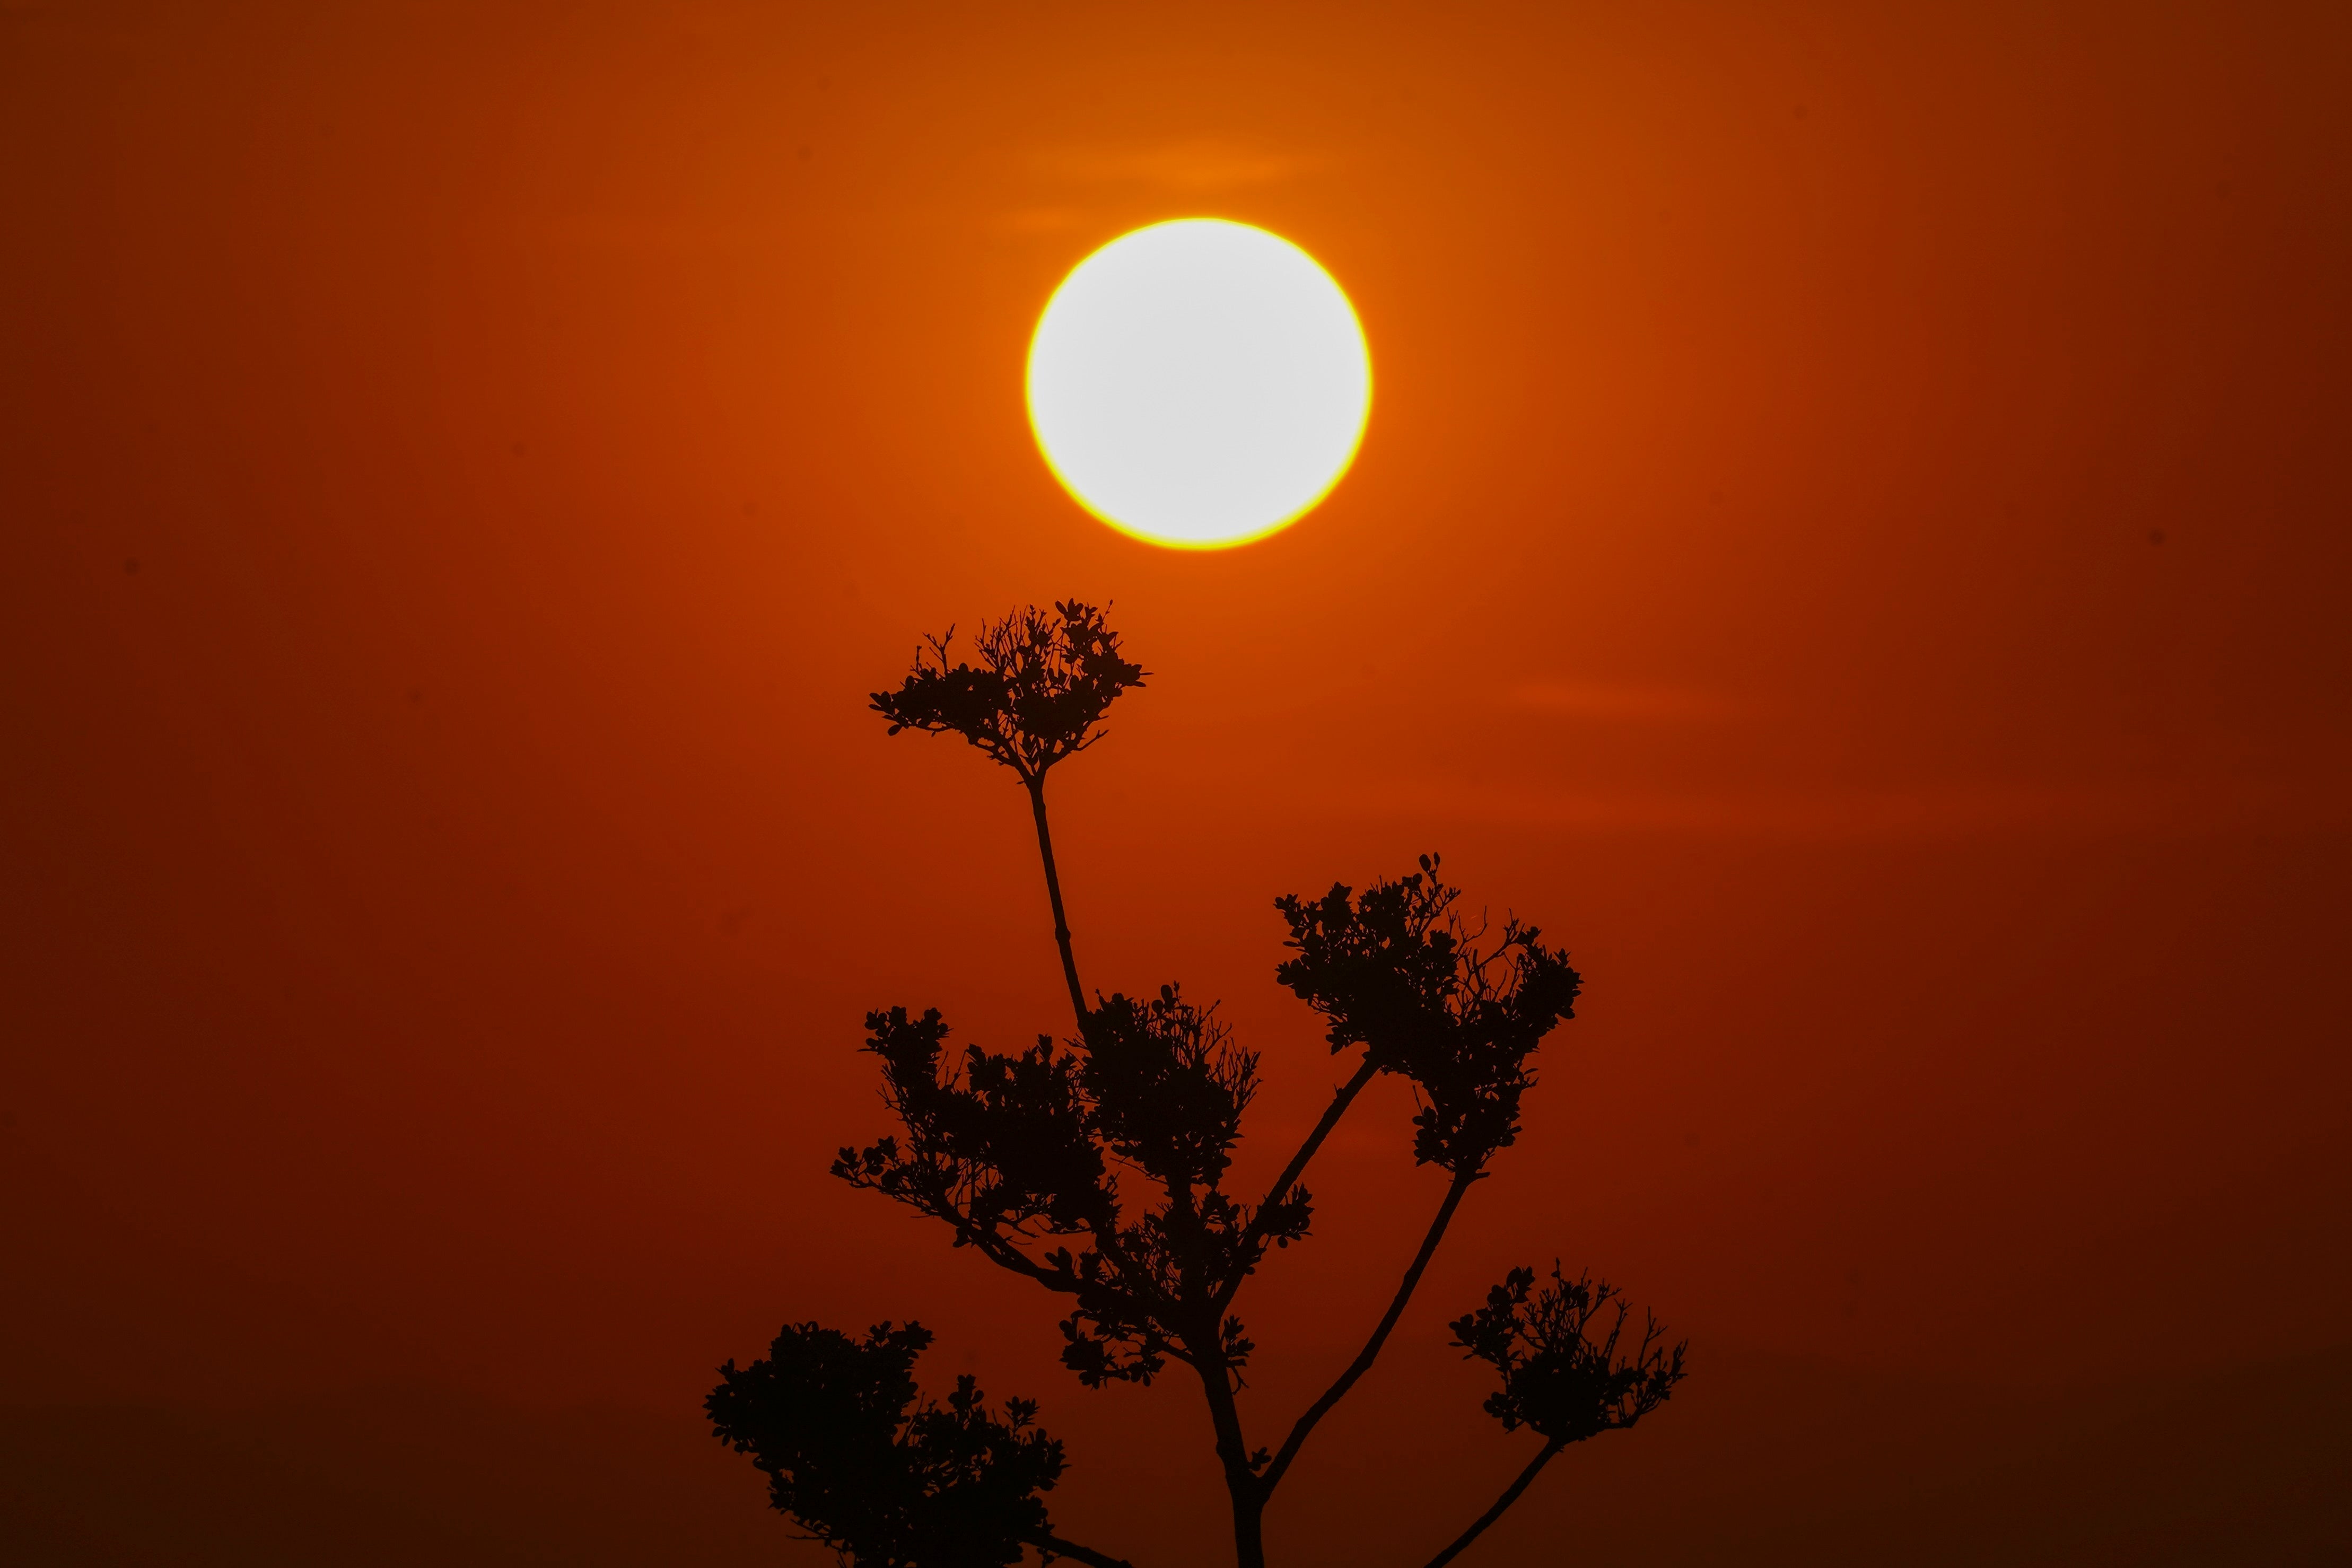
(1002, 1142)
(1397, 972)
(1122, 1143)
(1559, 1376)
(884, 1477)
(1038, 693)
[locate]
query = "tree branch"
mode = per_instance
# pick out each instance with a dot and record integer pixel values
(1036, 785)
(992, 1245)
(1006, 1256)
(1365, 1357)
(1233, 1450)
(1510, 1495)
(1255, 1237)
(1224, 1411)
(1054, 1545)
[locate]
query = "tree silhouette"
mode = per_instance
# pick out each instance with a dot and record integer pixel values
(1096, 1167)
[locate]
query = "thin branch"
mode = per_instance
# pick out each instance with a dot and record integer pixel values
(1036, 784)
(993, 1247)
(1510, 1495)
(1241, 1484)
(1140, 1287)
(1005, 1255)
(1046, 1542)
(1255, 1237)
(1225, 1416)
(1365, 1357)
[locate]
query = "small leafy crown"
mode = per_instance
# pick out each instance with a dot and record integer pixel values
(1038, 693)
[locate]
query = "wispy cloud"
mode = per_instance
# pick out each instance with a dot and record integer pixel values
(1619, 700)
(2163, 809)
(1195, 165)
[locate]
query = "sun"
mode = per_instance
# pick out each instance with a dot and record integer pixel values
(1199, 383)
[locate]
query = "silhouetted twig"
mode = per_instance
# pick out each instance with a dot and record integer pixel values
(1037, 696)
(1455, 1190)
(1500, 1505)
(1054, 1546)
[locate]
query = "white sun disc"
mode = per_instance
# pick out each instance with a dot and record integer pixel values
(1199, 383)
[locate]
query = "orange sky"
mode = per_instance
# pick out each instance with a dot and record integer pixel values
(1852, 539)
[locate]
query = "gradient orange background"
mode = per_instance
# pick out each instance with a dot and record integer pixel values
(1851, 538)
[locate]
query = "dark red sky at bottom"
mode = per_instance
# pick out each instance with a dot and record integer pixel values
(1850, 541)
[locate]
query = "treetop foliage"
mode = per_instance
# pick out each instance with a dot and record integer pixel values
(1044, 681)
(1097, 1166)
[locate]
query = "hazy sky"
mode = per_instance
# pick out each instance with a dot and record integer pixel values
(1851, 539)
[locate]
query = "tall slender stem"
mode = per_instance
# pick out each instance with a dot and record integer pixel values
(1249, 1532)
(1054, 892)
(1370, 1352)
(1233, 1452)
(1510, 1495)
(1255, 1237)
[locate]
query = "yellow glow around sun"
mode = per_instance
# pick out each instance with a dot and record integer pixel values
(1199, 383)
